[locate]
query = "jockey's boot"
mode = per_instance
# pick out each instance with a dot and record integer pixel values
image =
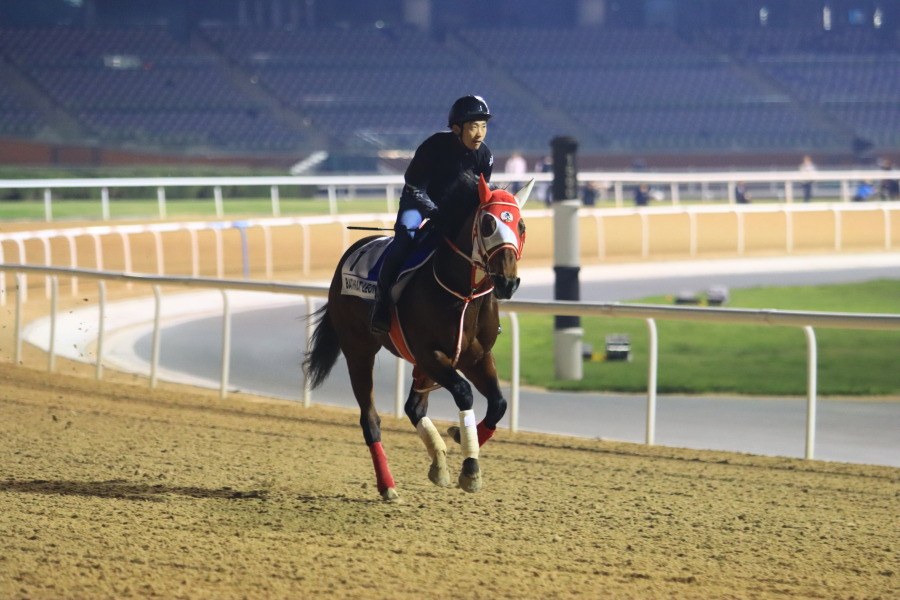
(394, 258)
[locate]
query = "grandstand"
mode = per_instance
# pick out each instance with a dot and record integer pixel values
(370, 90)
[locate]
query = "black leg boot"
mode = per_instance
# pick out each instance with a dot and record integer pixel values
(390, 268)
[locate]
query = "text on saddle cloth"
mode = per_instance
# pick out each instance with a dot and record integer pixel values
(359, 275)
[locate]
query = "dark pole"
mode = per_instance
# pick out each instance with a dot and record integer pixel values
(566, 254)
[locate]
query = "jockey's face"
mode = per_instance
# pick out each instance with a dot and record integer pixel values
(471, 134)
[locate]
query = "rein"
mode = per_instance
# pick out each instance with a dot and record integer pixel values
(467, 299)
(474, 281)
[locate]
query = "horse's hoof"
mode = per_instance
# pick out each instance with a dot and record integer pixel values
(390, 495)
(439, 475)
(453, 432)
(470, 477)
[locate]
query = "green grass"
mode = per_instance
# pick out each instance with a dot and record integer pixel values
(181, 202)
(701, 358)
(69, 209)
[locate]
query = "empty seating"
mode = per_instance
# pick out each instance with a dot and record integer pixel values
(367, 89)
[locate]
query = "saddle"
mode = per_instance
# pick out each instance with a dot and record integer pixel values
(359, 275)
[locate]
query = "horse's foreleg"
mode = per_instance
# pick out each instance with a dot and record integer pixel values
(416, 407)
(484, 378)
(361, 381)
(482, 431)
(470, 476)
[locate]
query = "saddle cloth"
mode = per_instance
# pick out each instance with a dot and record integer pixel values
(359, 275)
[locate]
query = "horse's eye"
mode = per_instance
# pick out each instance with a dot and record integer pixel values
(488, 225)
(521, 228)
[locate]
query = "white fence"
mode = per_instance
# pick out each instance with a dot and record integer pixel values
(782, 181)
(124, 232)
(598, 215)
(649, 313)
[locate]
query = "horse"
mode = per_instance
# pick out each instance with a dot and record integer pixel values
(445, 322)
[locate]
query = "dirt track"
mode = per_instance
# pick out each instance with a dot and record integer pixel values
(113, 490)
(116, 491)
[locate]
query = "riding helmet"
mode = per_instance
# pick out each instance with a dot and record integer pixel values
(468, 108)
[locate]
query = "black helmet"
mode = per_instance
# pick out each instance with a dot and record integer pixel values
(468, 108)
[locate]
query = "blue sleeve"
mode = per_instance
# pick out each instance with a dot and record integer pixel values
(416, 198)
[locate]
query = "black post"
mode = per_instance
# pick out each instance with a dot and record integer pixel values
(567, 332)
(565, 187)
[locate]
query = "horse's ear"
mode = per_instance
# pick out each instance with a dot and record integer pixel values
(484, 190)
(522, 195)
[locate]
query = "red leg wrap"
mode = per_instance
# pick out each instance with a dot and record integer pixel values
(382, 472)
(484, 434)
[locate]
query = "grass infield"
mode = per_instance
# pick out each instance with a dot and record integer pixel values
(701, 358)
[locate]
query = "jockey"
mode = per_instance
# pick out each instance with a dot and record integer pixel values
(437, 163)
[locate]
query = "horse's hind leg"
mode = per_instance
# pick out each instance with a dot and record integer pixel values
(361, 381)
(416, 407)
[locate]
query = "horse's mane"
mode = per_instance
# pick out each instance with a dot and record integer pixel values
(458, 203)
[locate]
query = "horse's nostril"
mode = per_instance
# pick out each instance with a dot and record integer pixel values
(504, 288)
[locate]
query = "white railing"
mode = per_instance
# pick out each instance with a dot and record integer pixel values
(786, 179)
(649, 313)
(788, 211)
(600, 217)
(125, 232)
(391, 184)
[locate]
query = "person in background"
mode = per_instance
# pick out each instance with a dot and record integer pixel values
(515, 165)
(807, 166)
(741, 194)
(863, 191)
(888, 189)
(589, 196)
(545, 190)
(642, 195)
(436, 164)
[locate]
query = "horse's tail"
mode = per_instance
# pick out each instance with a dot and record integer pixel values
(324, 349)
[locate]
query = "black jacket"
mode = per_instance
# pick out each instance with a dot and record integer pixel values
(438, 163)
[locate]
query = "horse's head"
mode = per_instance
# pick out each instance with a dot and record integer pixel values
(499, 235)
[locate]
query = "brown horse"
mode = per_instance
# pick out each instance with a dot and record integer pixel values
(446, 322)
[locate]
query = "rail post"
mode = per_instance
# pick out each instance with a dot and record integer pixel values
(399, 378)
(567, 331)
(101, 327)
(226, 345)
(516, 374)
(652, 369)
(104, 203)
(161, 201)
(48, 205)
(157, 334)
(310, 328)
(220, 205)
(276, 201)
(811, 391)
(54, 307)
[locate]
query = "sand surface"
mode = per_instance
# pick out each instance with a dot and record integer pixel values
(114, 490)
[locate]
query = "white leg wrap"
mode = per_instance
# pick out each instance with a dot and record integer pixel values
(432, 439)
(468, 435)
